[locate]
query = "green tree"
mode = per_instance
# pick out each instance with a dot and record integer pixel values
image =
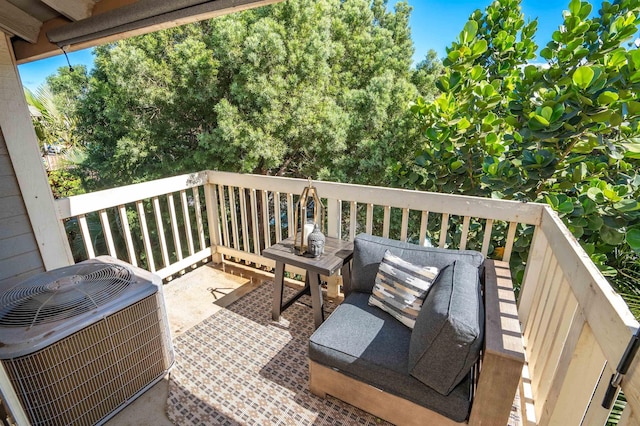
(426, 75)
(300, 88)
(68, 86)
(565, 133)
(54, 125)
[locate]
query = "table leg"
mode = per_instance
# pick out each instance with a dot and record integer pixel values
(278, 284)
(346, 277)
(316, 298)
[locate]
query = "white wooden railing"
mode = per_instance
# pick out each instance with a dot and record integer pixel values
(167, 213)
(575, 327)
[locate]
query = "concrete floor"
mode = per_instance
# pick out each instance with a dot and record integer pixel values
(189, 299)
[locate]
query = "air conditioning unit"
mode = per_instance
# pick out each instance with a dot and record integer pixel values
(81, 342)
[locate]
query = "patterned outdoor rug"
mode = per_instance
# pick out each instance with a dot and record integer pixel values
(238, 367)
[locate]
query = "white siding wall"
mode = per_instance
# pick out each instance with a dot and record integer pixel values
(19, 255)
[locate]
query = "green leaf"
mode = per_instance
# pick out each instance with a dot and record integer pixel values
(574, 7)
(453, 55)
(611, 236)
(594, 222)
(611, 195)
(540, 119)
(463, 124)
(633, 239)
(471, 29)
(585, 10)
(558, 110)
(583, 76)
(547, 112)
(596, 195)
(546, 53)
(626, 205)
(616, 119)
(476, 72)
(479, 47)
(579, 173)
(606, 98)
(456, 165)
(565, 207)
(633, 107)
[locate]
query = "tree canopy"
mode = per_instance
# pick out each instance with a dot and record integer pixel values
(300, 88)
(565, 133)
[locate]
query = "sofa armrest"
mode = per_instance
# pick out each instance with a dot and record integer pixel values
(503, 355)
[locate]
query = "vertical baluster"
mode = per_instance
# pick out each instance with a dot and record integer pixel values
(213, 219)
(223, 217)
(243, 220)
(255, 222)
(444, 227)
(86, 236)
(127, 235)
(199, 223)
(539, 253)
(290, 215)
(276, 213)
(549, 273)
(233, 211)
(405, 224)
(386, 221)
(265, 220)
(511, 234)
(145, 236)
(487, 236)
(187, 221)
(353, 220)
(424, 221)
(580, 378)
(369, 223)
(174, 226)
(465, 232)
(334, 218)
(163, 239)
(106, 230)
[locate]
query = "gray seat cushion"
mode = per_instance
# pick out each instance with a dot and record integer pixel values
(447, 337)
(368, 344)
(369, 250)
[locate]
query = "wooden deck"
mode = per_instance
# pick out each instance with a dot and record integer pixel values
(190, 299)
(575, 326)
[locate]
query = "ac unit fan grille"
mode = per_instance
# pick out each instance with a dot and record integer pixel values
(84, 377)
(63, 294)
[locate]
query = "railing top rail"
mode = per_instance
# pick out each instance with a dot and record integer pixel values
(95, 201)
(485, 208)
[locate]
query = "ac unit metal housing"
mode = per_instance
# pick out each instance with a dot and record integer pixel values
(80, 343)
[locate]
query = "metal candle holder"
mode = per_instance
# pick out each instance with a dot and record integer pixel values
(309, 202)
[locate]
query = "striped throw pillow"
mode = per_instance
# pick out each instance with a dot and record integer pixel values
(401, 287)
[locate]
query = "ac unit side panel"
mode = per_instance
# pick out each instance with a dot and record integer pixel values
(88, 375)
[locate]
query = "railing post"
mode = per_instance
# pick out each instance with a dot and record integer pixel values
(334, 228)
(213, 219)
(334, 217)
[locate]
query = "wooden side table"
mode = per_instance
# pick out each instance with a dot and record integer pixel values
(337, 256)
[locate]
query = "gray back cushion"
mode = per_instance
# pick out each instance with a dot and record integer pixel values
(448, 334)
(368, 251)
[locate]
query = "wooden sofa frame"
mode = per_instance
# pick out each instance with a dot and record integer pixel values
(499, 374)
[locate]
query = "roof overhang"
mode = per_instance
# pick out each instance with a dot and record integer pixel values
(41, 28)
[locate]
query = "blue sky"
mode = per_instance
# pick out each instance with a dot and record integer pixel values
(434, 25)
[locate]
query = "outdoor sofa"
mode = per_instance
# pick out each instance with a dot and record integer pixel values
(461, 363)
